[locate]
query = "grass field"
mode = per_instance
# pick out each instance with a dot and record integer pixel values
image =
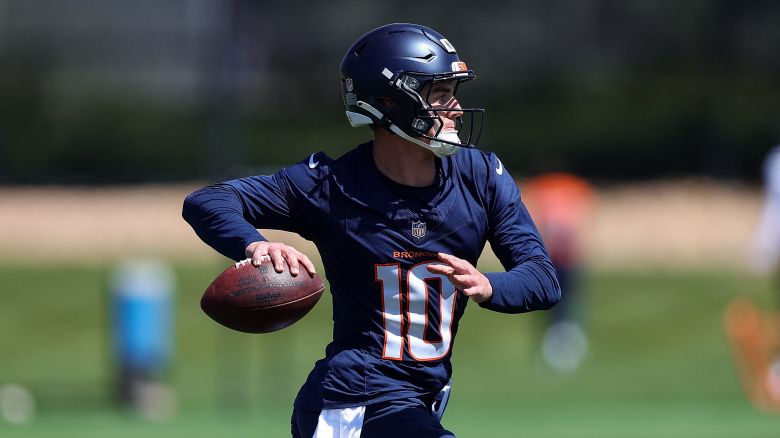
(659, 364)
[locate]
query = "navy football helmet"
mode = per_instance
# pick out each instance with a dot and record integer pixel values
(385, 76)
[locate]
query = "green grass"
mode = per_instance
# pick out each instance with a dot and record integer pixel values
(659, 364)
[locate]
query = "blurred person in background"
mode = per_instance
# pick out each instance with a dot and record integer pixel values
(755, 334)
(399, 222)
(765, 247)
(561, 205)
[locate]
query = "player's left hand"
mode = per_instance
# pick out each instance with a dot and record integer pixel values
(464, 276)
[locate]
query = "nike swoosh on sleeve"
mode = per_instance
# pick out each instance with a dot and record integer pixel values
(500, 168)
(312, 163)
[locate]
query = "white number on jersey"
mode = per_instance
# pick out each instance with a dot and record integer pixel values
(419, 348)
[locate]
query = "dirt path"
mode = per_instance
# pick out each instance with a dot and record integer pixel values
(670, 224)
(674, 224)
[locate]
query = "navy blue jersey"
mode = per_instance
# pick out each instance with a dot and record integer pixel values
(394, 322)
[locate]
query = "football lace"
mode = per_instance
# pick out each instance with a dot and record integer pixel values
(249, 260)
(243, 262)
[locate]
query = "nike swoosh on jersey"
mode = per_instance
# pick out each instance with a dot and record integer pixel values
(500, 168)
(312, 163)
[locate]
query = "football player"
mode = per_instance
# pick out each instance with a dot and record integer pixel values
(754, 333)
(561, 205)
(399, 223)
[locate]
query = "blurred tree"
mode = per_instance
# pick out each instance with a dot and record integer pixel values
(188, 89)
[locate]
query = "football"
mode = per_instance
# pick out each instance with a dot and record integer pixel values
(257, 299)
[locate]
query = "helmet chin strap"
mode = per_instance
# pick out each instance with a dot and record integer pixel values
(440, 149)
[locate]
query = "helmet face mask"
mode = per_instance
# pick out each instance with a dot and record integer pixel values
(400, 64)
(428, 119)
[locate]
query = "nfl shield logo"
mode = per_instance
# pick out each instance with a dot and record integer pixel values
(349, 84)
(418, 229)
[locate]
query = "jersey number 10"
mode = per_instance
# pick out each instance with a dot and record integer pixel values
(417, 279)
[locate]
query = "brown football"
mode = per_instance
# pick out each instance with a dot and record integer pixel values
(257, 299)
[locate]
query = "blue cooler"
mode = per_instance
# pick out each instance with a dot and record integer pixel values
(142, 322)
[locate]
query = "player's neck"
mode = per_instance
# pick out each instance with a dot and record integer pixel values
(404, 162)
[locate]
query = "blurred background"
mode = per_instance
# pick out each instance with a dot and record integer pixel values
(111, 112)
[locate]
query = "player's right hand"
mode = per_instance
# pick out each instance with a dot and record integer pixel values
(279, 254)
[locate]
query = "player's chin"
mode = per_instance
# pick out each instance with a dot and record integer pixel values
(446, 130)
